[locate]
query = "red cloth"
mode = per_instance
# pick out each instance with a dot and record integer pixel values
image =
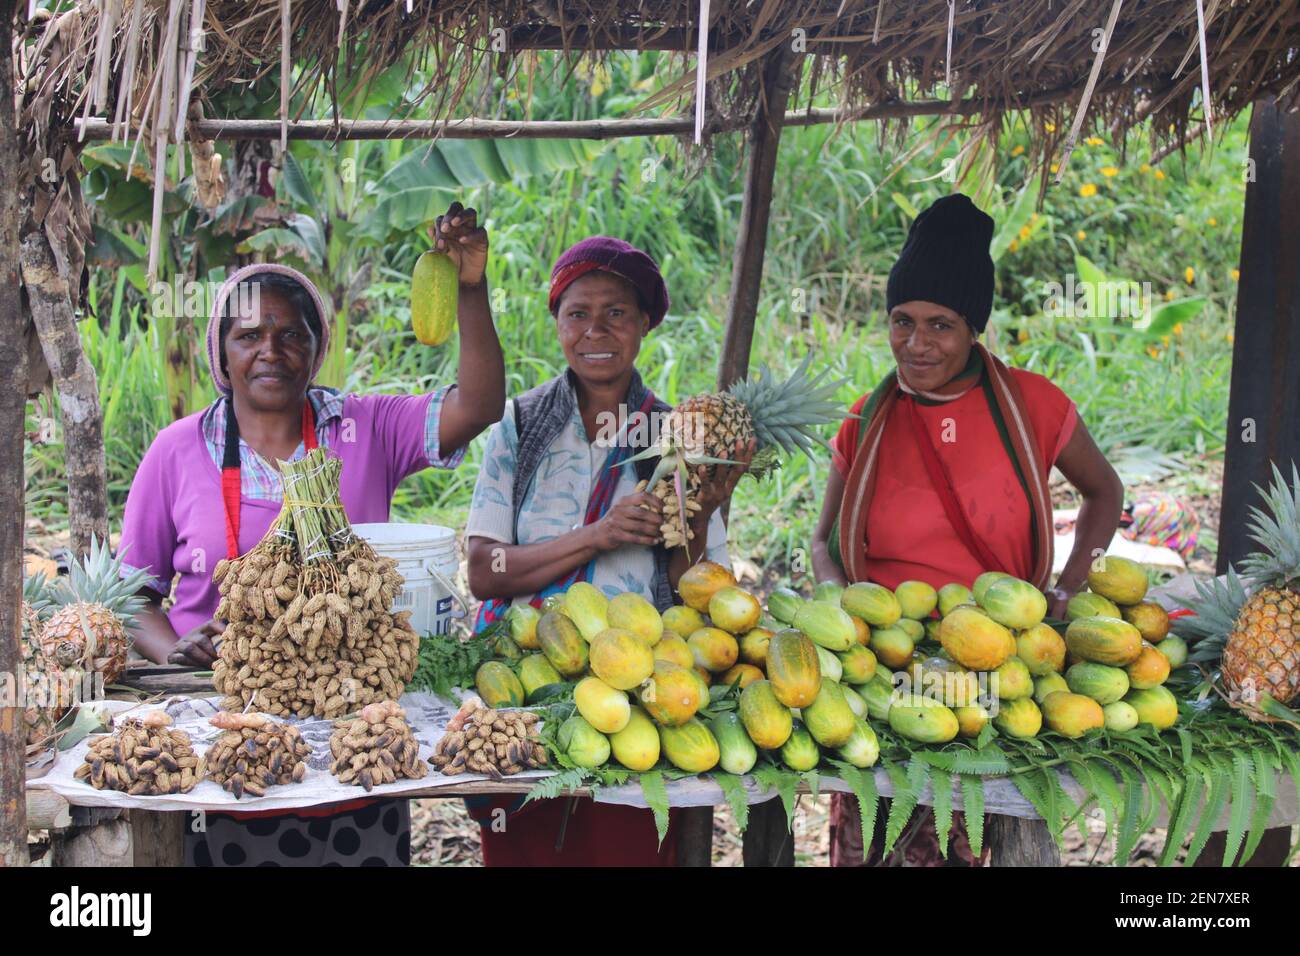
(596, 834)
(922, 545)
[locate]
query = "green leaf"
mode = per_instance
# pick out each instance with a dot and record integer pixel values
(1237, 816)
(987, 762)
(813, 779)
(784, 782)
(1265, 795)
(733, 789)
(1130, 818)
(1180, 818)
(942, 783)
(905, 204)
(972, 797)
(655, 792)
(556, 785)
(1214, 804)
(1169, 314)
(1088, 273)
(297, 184)
(901, 805)
(863, 785)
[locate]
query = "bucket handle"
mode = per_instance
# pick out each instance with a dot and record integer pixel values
(454, 591)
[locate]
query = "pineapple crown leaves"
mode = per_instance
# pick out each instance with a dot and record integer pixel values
(36, 594)
(98, 579)
(1276, 529)
(785, 412)
(1215, 609)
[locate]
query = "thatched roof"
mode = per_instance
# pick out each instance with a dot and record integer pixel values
(135, 63)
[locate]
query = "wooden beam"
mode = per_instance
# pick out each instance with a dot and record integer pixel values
(755, 211)
(1264, 402)
(13, 410)
(1017, 841)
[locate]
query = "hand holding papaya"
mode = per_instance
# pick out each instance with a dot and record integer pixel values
(458, 235)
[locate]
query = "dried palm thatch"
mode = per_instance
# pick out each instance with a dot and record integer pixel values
(149, 65)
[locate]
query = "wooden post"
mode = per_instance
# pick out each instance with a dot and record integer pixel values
(158, 837)
(695, 836)
(768, 840)
(779, 70)
(1017, 841)
(1264, 404)
(13, 410)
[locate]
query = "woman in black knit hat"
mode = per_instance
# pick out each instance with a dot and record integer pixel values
(945, 474)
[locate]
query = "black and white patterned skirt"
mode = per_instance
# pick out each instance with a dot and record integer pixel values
(378, 834)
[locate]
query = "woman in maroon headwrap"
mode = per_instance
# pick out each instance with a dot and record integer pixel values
(554, 505)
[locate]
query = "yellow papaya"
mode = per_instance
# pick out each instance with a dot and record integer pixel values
(767, 721)
(636, 746)
(1072, 715)
(631, 612)
(1118, 579)
(682, 620)
(715, 650)
(953, 596)
(1151, 620)
(621, 659)
(1012, 681)
(1018, 718)
(675, 649)
(1120, 716)
(701, 581)
(1151, 669)
(1042, 650)
(673, 694)
(605, 708)
(746, 674)
(858, 665)
(916, 599)
(1154, 706)
(971, 719)
(892, 646)
(435, 287)
(975, 640)
(734, 610)
(753, 646)
(1049, 684)
(793, 668)
(690, 747)
(587, 607)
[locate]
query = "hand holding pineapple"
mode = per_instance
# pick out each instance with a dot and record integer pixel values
(631, 520)
(717, 484)
(458, 236)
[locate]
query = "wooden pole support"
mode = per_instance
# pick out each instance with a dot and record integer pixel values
(158, 837)
(1018, 841)
(768, 840)
(695, 836)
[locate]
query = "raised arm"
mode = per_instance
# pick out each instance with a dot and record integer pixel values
(824, 566)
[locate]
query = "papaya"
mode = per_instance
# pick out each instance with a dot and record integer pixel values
(523, 620)
(736, 752)
(923, 720)
(783, 604)
(862, 630)
(621, 659)
(855, 701)
(536, 672)
(701, 581)
(1104, 640)
(690, 747)
(1012, 681)
(1175, 650)
(862, 749)
(582, 743)
(504, 647)
(1049, 684)
(553, 602)
(826, 625)
(858, 665)
(916, 599)
(800, 752)
(913, 629)
(874, 603)
(562, 644)
(435, 287)
(682, 620)
(930, 628)
(1102, 683)
(675, 649)
(975, 640)
(1014, 603)
(793, 668)
(1120, 716)
(983, 582)
(1118, 579)
(715, 650)
(673, 694)
(1019, 718)
(1042, 650)
(605, 708)
(829, 718)
(944, 680)
(746, 674)
(953, 596)
(497, 684)
(753, 646)
(828, 591)
(631, 612)
(971, 719)
(734, 610)
(1087, 604)
(587, 607)
(1072, 715)
(892, 646)
(636, 746)
(1151, 620)
(830, 665)
(1155, 706)
(1151, 669)
(704, 677)
(878, 695)
(767, 721)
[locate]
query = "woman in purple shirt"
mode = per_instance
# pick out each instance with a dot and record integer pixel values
(209, 487)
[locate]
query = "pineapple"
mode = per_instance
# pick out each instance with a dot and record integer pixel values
(97, 605)
(39, 673)
(1262, 652)
(705, 429)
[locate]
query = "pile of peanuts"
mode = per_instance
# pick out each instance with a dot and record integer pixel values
(375, 747)
(497, 743)
(254, 753)
(145, 756)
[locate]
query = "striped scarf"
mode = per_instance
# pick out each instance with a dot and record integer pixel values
(1007, 406)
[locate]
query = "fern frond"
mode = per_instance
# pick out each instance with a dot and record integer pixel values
(1220, 785)
(972, 802)
(655, 792)
(733, 790)
(941, 783)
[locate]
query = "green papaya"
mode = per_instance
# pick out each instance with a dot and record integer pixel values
(829, 718)
(878, 694)
(784, 604)
(582, 743)
(1102, 683)
(800, 752)
(922, 719)
(497, 684)
(690, 747)
(862, 749)
(536, 672)
(736, 752)
(562, 643)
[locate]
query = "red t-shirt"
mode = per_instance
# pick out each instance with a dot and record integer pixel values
(909, 534)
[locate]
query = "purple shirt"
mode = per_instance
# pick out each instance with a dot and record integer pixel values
(175, 520)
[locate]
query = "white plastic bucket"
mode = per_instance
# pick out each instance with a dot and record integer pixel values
(426, 558)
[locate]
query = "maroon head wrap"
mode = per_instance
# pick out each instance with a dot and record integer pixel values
(622, 259)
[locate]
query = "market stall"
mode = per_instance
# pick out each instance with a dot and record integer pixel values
(1042, 60)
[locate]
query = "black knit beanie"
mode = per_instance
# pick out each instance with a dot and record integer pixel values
(946, 260)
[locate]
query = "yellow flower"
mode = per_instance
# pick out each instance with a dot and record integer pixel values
(1050, 127)
(1236, 274)
(1013, 246)
(1211, 221)
(1033, 217)
(1095, 141)
(1153, 351)
(1022, 335)
(1144, 168)
(1088, 189)
(1024, 232)
(1169, 295)
(1018, 150)
(1109, 171)
(1056, 167)
(1178, 328)
(1160, 174)
(1164, 340)
(1081, 235)
(1230, 338)
(1189, 274)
